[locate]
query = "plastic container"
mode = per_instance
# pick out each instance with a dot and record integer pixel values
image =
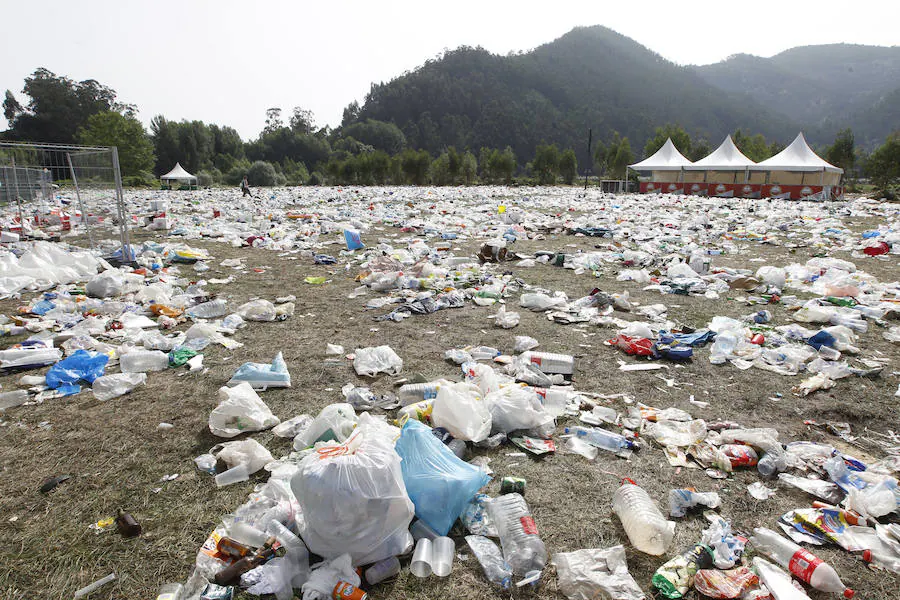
(804, 565)
(420, 530)
(554, 400)
(233, 475)
(550, 363)
(416, 392)
(443, 551)
(829, 353)
(523, 549)
(771, 464)
(646, 527)
(422, 557)
(382, 570)
(601, 438)
(12, 399)
(141, 361)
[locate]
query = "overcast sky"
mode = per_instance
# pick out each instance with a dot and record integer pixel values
(225, 62)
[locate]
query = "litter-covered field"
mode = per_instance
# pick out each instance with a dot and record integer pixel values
(737, 360)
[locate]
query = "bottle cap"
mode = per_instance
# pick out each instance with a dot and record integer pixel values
(848, 593)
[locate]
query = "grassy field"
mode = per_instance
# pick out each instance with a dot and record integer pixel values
(118, 458)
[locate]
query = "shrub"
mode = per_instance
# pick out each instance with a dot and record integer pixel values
(261, 173)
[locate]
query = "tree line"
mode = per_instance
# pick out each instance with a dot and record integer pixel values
(296, 151)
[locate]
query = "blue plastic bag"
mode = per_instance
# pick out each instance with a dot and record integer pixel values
(82, 365)
(439, 484)
(354, 242)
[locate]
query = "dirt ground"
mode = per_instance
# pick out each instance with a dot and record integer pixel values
(117, 457)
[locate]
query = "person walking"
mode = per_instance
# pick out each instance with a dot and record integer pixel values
(245, 188)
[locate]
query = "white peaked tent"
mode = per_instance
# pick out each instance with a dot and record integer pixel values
(667, 158)
(179, 175)
(799, 165)
(726, 157)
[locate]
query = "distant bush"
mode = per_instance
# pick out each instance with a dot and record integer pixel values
(316, 179)
(205, 178)
(261, 173)
(143, 179)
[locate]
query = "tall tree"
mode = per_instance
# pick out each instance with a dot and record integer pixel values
(302, 120)
(546, 163)
(273, 120)
(754, 147)
(883, 165)
(843, 152)
(57, 107)
(568, 166)
(600, 164)
(127, 134)
(699, 149)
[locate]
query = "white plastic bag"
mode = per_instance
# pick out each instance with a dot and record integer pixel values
(461, 410)
(326, 575)
(379, 359)
(334, 422)
(540, 302)
(506, 320)
(240, 410)
(106, 285)
(523, 343)
(596, 573)
(514, 408)
(257, 310)
(353, 499)
(244, 452)
(108, 387)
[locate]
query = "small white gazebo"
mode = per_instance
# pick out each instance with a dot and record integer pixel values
(178, 175)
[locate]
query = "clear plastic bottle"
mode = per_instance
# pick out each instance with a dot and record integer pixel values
(554, 400)
(771, 464)
(12, 399)
(647, 528)
(416, 392)
(601, 438)
(170, 591)
(208, 310)
(141, 361)
(522, 546)
(724, 346)
(550, 363)
(803, 564)
(488, 555)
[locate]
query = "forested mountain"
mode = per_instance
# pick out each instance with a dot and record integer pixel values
(825, 88)
(592, 77)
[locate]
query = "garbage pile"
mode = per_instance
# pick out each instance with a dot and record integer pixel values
(378, 484)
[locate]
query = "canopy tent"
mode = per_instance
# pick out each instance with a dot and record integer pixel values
(667, 158)
(178, 174)
(726, 157)
(797, 157)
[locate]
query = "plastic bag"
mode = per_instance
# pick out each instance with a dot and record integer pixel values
(257, 310)
(679, 433)
(477, 518)
(117, 384)
(460, 409)
(82, 365)
(596, 573)
(378, 359)
(244, 452)
(506, 320)
(352, 238)
(354, 500)
(262, 376)
(523, 343)
(240, 410)
(326, 575)
(541, 302)
(334, 422)
(724, 584)
(105, 285)
(514, 408)
(439, 484)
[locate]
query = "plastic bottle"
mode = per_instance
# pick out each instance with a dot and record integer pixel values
(829, 353)
(488, 555)
(723, 347)
(891, 563)
(416, 392)
(382, 570)
(601, 438)
(550, 363)
(647, 528)
(141, 361)
(12, 399)
(127, 525)
(231, 574)
(804, 565)
(522, 546)
(855, 324)
(208, 310)
(771, 464)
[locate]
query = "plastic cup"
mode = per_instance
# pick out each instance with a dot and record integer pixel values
(420, 530)
(233, 475)
(443, 549)
(421, 560)
(382, 570)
